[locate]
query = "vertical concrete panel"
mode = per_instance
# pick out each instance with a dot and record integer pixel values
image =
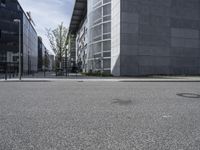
(185, 37)
(115, 36)
(129, 37)
(160, 37)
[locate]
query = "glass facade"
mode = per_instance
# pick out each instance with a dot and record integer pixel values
(72, 51)
(99, 38)
(81, 47)
(40, 53)
(9, 38)
(30, 46)
(9, 35)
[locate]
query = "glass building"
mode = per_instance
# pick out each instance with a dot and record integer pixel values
(9, 38)
(41, 54)
(135, 37)
(81, 47)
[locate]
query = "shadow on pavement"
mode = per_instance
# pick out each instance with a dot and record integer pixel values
(121, 102)
(188, 95)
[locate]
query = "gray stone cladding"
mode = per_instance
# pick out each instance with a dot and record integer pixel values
(158, 37)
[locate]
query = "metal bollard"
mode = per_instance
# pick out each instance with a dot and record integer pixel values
(6, 72)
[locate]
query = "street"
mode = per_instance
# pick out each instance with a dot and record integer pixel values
(77, 115)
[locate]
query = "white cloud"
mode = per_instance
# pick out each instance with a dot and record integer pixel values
(48, 14)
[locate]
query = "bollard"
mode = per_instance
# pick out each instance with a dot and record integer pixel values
(6, 71)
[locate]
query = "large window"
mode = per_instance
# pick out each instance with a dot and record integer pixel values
(3, 3)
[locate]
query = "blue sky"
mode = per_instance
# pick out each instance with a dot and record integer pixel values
(48, 14)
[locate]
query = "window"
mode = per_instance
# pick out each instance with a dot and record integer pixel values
(18, 8)
(3, 3)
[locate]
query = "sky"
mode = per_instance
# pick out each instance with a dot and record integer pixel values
(48, 14)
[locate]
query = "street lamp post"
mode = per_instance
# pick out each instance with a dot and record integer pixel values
(20, 67)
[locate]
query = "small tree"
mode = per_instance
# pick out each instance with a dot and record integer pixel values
(58, 42)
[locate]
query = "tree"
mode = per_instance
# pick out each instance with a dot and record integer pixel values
(58, 42)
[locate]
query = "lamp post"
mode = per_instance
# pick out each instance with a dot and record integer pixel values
(20, 67)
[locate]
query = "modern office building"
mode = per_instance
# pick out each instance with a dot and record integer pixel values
(9, 37)
(81, 47)
(71, 51)
(41, 54)
(45, 59)
(138, 37)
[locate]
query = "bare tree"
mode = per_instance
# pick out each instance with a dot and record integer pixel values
(58, 41)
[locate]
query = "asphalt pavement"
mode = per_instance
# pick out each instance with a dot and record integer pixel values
(83, 115)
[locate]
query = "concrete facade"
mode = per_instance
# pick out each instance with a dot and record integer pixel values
(148, 37)
(157, 37)
(115, 36)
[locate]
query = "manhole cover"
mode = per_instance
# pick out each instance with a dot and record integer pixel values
(121, 102)
(188, 95)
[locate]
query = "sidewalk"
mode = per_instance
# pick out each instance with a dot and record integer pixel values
(80, 78)
(51, 76)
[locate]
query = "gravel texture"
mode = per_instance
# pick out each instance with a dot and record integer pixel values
(66, 115)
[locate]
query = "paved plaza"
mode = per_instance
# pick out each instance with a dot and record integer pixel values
(91, 115)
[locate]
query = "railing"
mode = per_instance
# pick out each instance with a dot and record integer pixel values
(8, 70)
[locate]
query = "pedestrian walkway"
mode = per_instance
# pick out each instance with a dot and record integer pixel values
(50, 76)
